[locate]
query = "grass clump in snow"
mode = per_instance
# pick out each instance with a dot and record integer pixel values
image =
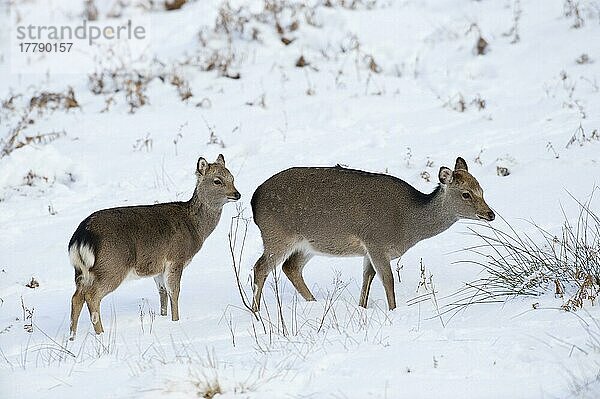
(566, 264)
(22, 112)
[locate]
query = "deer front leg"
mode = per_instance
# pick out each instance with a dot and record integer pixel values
(162, 292)
(173, 280)
(368, 274)
(381, 264)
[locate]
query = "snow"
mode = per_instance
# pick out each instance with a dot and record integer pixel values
(336, 110)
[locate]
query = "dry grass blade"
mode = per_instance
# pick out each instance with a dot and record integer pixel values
(239, 227)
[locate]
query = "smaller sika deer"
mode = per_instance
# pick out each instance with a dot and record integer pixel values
(147, 240)
(302, 212)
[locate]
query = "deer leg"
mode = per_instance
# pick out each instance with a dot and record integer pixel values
(263, 266)
(292, 268)
(76, 304)
(262, 269)
(162, 292)
(368, 274)
(92, 299)
(381, 264)
(173, 281)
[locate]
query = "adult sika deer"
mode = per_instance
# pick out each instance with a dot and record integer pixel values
(302, 212)
(147, 240)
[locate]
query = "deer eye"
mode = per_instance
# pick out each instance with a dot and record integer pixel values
(217, 182)
(466, 195)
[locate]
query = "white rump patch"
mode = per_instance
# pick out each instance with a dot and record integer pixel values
(87, 255)
(82, 258)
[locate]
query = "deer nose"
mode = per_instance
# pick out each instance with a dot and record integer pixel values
(491, 216)
(237, 195)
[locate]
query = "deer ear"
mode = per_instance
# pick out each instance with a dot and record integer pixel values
(202, 166)
(220, 159)
(445, 175)
(461, 164)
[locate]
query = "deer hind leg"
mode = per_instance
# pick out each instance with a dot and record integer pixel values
(172, 279)
(162, 292)
(293, 267)
(76, 304)
(263, 266)
(92, 298)
(368, 275)
(381, 264)
(102, 285)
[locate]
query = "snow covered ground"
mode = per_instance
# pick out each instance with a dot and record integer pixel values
(388, 86)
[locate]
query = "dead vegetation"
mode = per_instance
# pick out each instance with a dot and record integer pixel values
(119, 8)
(259, 102)
(27, 317)
(565, 264)
(213, 139)
(301, 62)
(584, 59)
(130, 80)
(572, 9)
(171, 5)
(221, 61)
(426, 292)
(40, 139)
(182, 85)
(504, 165)
(481, 45)
(564, 89)
(502, 171)
(33, 283)
(131, 83)
(581, 12)
(233, 23)
(353, 4)
(23, 113)
(581, 138)
(143, 144)
(147, 316)
(459, 103)
(513, 32)
(31, 178)
(90, 11)
(222, 49)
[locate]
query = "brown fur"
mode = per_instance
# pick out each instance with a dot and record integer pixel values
(344, 212)
(146, 241)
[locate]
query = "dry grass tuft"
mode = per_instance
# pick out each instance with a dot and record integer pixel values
(26, 113)
(32, 284)
(208, 389)
(171, 5)
(566, 264)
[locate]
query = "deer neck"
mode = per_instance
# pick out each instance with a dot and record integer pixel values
(202, 209)
(433, 215)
